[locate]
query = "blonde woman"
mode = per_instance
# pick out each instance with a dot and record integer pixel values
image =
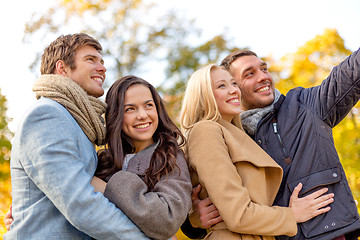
(235, 173)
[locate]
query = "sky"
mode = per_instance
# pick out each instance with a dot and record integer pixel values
(267, 27)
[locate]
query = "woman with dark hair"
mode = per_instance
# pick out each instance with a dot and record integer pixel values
(145, 169)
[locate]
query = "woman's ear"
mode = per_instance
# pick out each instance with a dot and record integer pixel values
(61, 68)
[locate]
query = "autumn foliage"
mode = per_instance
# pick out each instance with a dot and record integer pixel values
(306, 68)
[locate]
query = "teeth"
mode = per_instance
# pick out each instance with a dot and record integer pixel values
(263, 89)
(142, 125)
(98, 79)
(235, 100)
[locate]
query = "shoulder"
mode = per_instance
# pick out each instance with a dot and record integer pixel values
(47, 116)
(206, 126)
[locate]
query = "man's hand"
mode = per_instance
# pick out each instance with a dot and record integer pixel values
(204, 213)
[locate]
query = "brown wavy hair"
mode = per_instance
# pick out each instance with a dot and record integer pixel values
(64, 48)
(118, 144)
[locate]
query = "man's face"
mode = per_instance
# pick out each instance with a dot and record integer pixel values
(89, 72)
(254, 80)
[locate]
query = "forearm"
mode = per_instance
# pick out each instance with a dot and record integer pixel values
(168, 203)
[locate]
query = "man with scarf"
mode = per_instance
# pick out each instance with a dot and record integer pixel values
(53, 155)
(296, 131)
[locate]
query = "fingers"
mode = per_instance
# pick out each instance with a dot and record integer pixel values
(205, 203)
(323, 210)
(324, 200)
(8, 220)
(195, 193)
(295, 193)
(211, 218)
(8, 223)
(318, 193)
(214, 221)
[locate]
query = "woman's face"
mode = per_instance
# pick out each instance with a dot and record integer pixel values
(140, 116)
(227, 94)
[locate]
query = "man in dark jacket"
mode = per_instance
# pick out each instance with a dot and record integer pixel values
(296, 131)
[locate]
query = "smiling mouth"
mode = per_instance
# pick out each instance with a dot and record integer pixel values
(141, 126)
(98, 79)
(234, 100)
(263, 89)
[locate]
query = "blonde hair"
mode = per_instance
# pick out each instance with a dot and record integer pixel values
(199, 102)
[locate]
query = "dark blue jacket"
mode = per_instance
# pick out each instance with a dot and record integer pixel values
(298, 136)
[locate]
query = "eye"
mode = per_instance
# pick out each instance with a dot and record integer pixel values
(265, 69)
(249, 74)
(91, 59)
(234, 83)
(221, 86)
(128, 109)
(149, 105)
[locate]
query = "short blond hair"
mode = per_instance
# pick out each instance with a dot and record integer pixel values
(199, 102)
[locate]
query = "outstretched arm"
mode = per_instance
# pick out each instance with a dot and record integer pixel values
(338, 93)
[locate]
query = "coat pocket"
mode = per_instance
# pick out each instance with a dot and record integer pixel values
(343, 210)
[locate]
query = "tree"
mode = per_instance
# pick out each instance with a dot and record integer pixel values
(5, 146)
(133, 34)
(185, 60)
(308, 67)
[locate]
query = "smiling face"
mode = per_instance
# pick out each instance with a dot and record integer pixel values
(140, 116)
(89, 70)
(226, 93)
(254, 80)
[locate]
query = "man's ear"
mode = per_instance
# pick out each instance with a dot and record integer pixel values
(61, 68)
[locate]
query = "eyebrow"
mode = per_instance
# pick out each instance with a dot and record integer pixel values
(249, 68)
(131, 104)
(94, 56)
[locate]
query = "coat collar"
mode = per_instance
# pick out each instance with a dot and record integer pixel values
(141, 161)
(250, 147)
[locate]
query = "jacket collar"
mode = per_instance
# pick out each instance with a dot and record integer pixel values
(141, 161)
(278, 103)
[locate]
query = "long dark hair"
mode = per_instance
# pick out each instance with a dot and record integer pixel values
(118, 144)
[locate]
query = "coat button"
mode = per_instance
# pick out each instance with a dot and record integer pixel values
(334, 174)
(259, 141)
(333, 224)
(326, 226)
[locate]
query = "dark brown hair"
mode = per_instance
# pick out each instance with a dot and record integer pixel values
(118, 144)
(226, 63)
(64, 48)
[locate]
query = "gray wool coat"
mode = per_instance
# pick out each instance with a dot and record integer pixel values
(160, 212)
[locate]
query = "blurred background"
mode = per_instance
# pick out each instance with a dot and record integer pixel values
(165, 41)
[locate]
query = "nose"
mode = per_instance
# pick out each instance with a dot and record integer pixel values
(101, 68)
(263, 76)
(141, 114)
(233, 89)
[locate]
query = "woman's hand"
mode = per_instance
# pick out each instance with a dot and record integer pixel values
(310, 206)
(8, 219)
(98, 184)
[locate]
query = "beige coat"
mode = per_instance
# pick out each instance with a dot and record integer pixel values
(241, 180)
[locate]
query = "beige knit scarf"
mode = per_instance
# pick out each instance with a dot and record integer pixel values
(86, 110)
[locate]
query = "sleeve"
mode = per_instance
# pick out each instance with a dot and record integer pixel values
(338, 93)
(191, 232)
(52, 158)
(160, 212)
(209, 156)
